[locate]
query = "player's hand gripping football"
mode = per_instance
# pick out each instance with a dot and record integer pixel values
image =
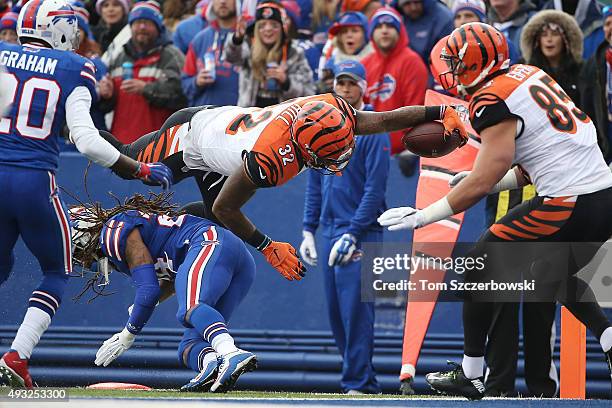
(453, 125)
(283, 257)
(401, 218)
(156, 174)
(114, 347)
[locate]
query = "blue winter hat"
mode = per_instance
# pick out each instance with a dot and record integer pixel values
(348, 19)
(9, 21)
(147, 10)
(352, 69)
(607, 12)
(385, 15)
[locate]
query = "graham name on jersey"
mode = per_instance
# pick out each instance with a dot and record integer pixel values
(28, 62)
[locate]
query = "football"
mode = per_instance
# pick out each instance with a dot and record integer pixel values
(428, 140)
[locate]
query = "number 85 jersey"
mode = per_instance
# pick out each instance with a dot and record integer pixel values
(39, 82)
(556, 143)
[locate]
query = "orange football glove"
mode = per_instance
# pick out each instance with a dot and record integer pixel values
(283, 257)
(454, 125)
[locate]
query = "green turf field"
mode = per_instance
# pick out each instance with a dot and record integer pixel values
(84, 392)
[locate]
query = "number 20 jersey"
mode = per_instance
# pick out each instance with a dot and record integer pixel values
(556, 143)
(39, 81)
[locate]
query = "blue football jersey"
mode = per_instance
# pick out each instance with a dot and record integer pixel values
(167, 239)
(40, 80)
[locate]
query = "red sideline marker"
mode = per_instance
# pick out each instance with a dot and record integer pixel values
(117, 386)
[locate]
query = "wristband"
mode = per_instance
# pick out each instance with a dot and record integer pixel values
(439, 210)
(142, 171)
(258, 240)
(433, 113)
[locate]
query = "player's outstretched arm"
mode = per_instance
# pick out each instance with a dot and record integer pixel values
(147, 295)
(88, 141)
(237, 190)
(492, 163)
(368, 122)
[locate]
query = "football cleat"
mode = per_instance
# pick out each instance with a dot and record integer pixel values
(204, 380)
(232, 366)
(406, 386)
(454, 382)
(14, 370)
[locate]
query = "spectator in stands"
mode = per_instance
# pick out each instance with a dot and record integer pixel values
(596, 87)
(200, 85)
(346, 209)
(146, 94)
(8, 28)
(113, 17)
(187, 29)
(426, 22)
(272, 68)
(397, 75)
(589, 17)
(473, 11)
(175, 11)
(89, 48)
(367, 7)
(349, 40)
(552, 40)
(509, 17)
(312, 52)
(324, 13)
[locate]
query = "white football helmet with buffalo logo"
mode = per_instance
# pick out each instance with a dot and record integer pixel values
(51, 21)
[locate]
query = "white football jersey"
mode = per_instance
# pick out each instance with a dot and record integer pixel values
(556, 143)
(222, 139)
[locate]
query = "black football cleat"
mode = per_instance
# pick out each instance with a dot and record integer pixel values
(454, 382)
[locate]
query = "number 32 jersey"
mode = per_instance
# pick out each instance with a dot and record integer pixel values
(556, 143)
(38, 81)
(223, 139)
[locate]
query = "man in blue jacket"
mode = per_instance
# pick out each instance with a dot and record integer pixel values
(346, 208)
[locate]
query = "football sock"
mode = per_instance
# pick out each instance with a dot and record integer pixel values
(224, 344)
(472, 366)
(199, 355)
(477, 317)
(606, 339)
(211, 324)
(34, 325)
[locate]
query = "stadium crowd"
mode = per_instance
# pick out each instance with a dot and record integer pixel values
(156, 58)
(153, 59)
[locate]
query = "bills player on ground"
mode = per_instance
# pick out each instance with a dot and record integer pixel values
(233, 151)
(523, 117)
(210, 269)
(48, 86)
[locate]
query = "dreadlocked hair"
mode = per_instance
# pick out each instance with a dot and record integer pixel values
(97, 217)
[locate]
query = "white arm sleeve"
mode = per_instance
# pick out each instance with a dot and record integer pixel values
(83, 132)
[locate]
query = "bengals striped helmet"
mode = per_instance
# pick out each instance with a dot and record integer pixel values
(324, 136)
(472, 53)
